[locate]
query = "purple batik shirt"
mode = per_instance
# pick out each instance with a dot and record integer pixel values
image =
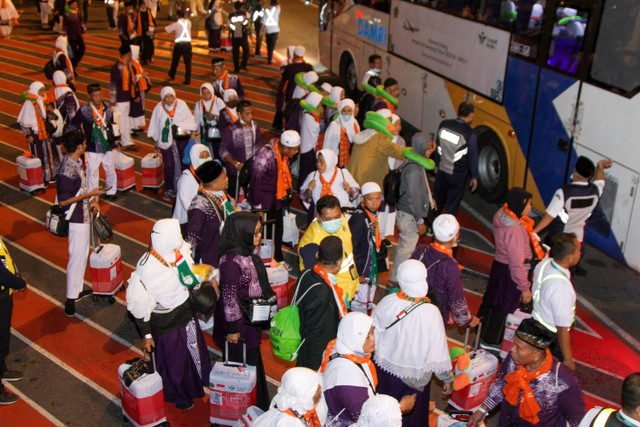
(557, 392)
(71, 178)
(240, 142)
(444, 278)
(84, 120)
(203, 230)
(264, 179)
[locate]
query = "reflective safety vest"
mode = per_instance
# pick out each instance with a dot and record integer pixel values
(608, 417)
(185, 35)
(536, 294)
(7, 261)
(271, 17)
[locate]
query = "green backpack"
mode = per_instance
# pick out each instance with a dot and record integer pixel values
(285, 328)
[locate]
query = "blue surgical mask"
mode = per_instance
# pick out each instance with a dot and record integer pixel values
(218, 193)
(203, 161)
(243, 122)
(376, 70)
(346, 117)
(331, 226)
(332, 278)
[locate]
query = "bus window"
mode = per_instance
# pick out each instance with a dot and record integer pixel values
(567, 38)
(616, 60)
(525, 26)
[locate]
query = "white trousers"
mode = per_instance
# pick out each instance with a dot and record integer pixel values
(125, 123)
(79, 235)
(44, 11)
(94, 160)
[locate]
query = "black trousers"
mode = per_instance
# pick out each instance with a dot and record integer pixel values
(271, 45)
(236, 44)
(181, 49)
(277, 215)
(258, 28)
(448, 192)
(112, 21)
(6, 308)
(77, 47)
(147, 49)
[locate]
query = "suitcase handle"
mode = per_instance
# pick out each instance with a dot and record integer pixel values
(466, 337)
(152, 358)
(244, 353)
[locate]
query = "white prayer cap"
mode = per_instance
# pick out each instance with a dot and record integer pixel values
(228, 93)
(353, 330)
(326, 87)
(385, 112)
(394, 118)
(412, 278)
(445, 227)
(314, 99)
(59, 77)
(380, 411)
(310, 77)
(370, 187)
(290, 138)
(299, 386)
(336, 93)
(299, 51)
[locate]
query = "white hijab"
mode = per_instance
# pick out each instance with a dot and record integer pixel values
(336, 94)
(352, 333)
(416, 346)
(207, 104)
(135, 52)
(59, 79)
(331, 160)
(194, 154)
(380, 411)
(352, 125)
(27, 117)
(182, 117)
(299, 386)
(62, 43)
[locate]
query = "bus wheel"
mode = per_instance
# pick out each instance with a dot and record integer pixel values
(349, 74)
(493, 171)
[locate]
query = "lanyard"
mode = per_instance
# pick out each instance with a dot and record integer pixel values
(98, 116)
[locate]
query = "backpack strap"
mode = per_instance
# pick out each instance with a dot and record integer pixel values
(336, 355)
(404, 313)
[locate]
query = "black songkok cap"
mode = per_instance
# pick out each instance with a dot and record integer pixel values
(209, 171)
(533, 333)
(585, 167)
(517, 199)
(93, 87)
(128, 3)
(217, 60)
(330, 250)
(124, 48)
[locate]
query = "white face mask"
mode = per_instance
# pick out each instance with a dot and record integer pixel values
(243, 122)
(332, 278)
(332, 226)
(376, 70)
(346, 117)
(203, 161)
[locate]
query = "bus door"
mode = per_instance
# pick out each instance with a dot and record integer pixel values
(558, 110)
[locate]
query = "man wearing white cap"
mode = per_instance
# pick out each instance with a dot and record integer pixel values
(445, 284)
(270, 185)
(288, 84)
(310, 130)
(369, 252)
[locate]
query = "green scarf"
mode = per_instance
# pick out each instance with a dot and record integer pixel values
(98, 136)
(165, 131)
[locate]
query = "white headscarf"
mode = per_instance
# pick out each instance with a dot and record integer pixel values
(228, 93)
(59, 79)
(167, 90)
(135, 52)
(194, 154)
(352, 125)
(352, 333)
(299, 386)
(310, 77)
(166, 237)
(380, 411)
(209, 86)
(27, 117)
(62, 43)
(331, 160)
(314, 99)
(182, 117)
(416, 346)
(336, 94)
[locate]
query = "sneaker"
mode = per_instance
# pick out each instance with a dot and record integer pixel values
(171, 193)
(70, 307)
(184, 406)
(7, 398)
(166, 196)
(12, 376)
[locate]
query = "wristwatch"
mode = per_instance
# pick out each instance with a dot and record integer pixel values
(484, 411)
(148, 336)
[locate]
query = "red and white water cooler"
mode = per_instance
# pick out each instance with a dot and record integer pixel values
(125, 171)
(279, 281)
(482, 373)
(143, 401)
(106, 269)
(30, 172)
(152, 171)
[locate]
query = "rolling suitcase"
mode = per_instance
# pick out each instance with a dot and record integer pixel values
(482, 373)
(143, 400)
(30, 173)
(106, 268)
(232, 389)
(511, 325)
(249, 417)
(125, 171)
(152, 171)
(279, 281)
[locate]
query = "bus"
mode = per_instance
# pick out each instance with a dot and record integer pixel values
(550, 80)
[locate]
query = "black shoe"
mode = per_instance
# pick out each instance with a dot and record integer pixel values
(186, 82)
(184, 406)
(12, 376)
(7, 398)
(70, 307)
(111, 197)
(171, 77)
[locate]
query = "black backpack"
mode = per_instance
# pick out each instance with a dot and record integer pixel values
(391, 186)
(49, 69)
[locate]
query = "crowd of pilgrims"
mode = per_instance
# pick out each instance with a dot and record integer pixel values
(227, 183)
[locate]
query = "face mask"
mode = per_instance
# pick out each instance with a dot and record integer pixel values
(332, 226)
(243, 122)
(232, 104)
(218, 193)
(203, 161)
(376, 70)
(346, 117)
(131, 12)
(332, 278)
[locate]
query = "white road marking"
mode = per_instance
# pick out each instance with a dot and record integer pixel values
(34, 405)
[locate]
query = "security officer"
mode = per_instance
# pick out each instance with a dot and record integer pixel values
(457, 158)
(10, 281)
(182, 48)
(239, 26)
(629, 415)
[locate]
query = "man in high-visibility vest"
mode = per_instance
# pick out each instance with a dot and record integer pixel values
(554, 299)
(10, 282)
(629, 415)
(182, 48)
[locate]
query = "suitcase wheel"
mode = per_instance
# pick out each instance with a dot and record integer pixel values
(122, 288)
(125, 419)
(111, 299)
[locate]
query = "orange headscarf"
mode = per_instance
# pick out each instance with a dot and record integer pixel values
(519, 381)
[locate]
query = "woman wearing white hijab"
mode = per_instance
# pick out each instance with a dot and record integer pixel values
(62, 62)
(169, 111)
(336, 94)
(228, 113)
(410, 350)
(294, 405)
(65, 100)
(206, 112)
(340, 132)
(380, 411)
(329, 179)
(32, 120)
(188, 183)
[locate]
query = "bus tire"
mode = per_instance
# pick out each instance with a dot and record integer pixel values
(348, 74)
(493, 170)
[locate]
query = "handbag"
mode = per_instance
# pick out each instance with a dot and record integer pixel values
(259, 310)
(56, 221)
(179, 134)
(113, 133)
(290, 233)
(102, 227)
(203, 298)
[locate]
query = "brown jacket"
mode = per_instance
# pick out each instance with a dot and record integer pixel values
(368, 162)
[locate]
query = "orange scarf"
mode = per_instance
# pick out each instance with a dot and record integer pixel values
(284, 174)
(129, 24)
(98, 117)
(233, 118)
(345, 145)
(173, 110)
(52, 92)
(225, 77)
(527, 223)
(69, 65)
(126, 79)
(42, 129)
(311, 417)
(376, 226)
(320, 140)
(300, 59)
(445, 250)
(405, 297)
(326, 186)
(139, 29)
(193, 172)
(389, 106)
(519, 381)
(352, 357)
(320, 271)
(142, 83)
